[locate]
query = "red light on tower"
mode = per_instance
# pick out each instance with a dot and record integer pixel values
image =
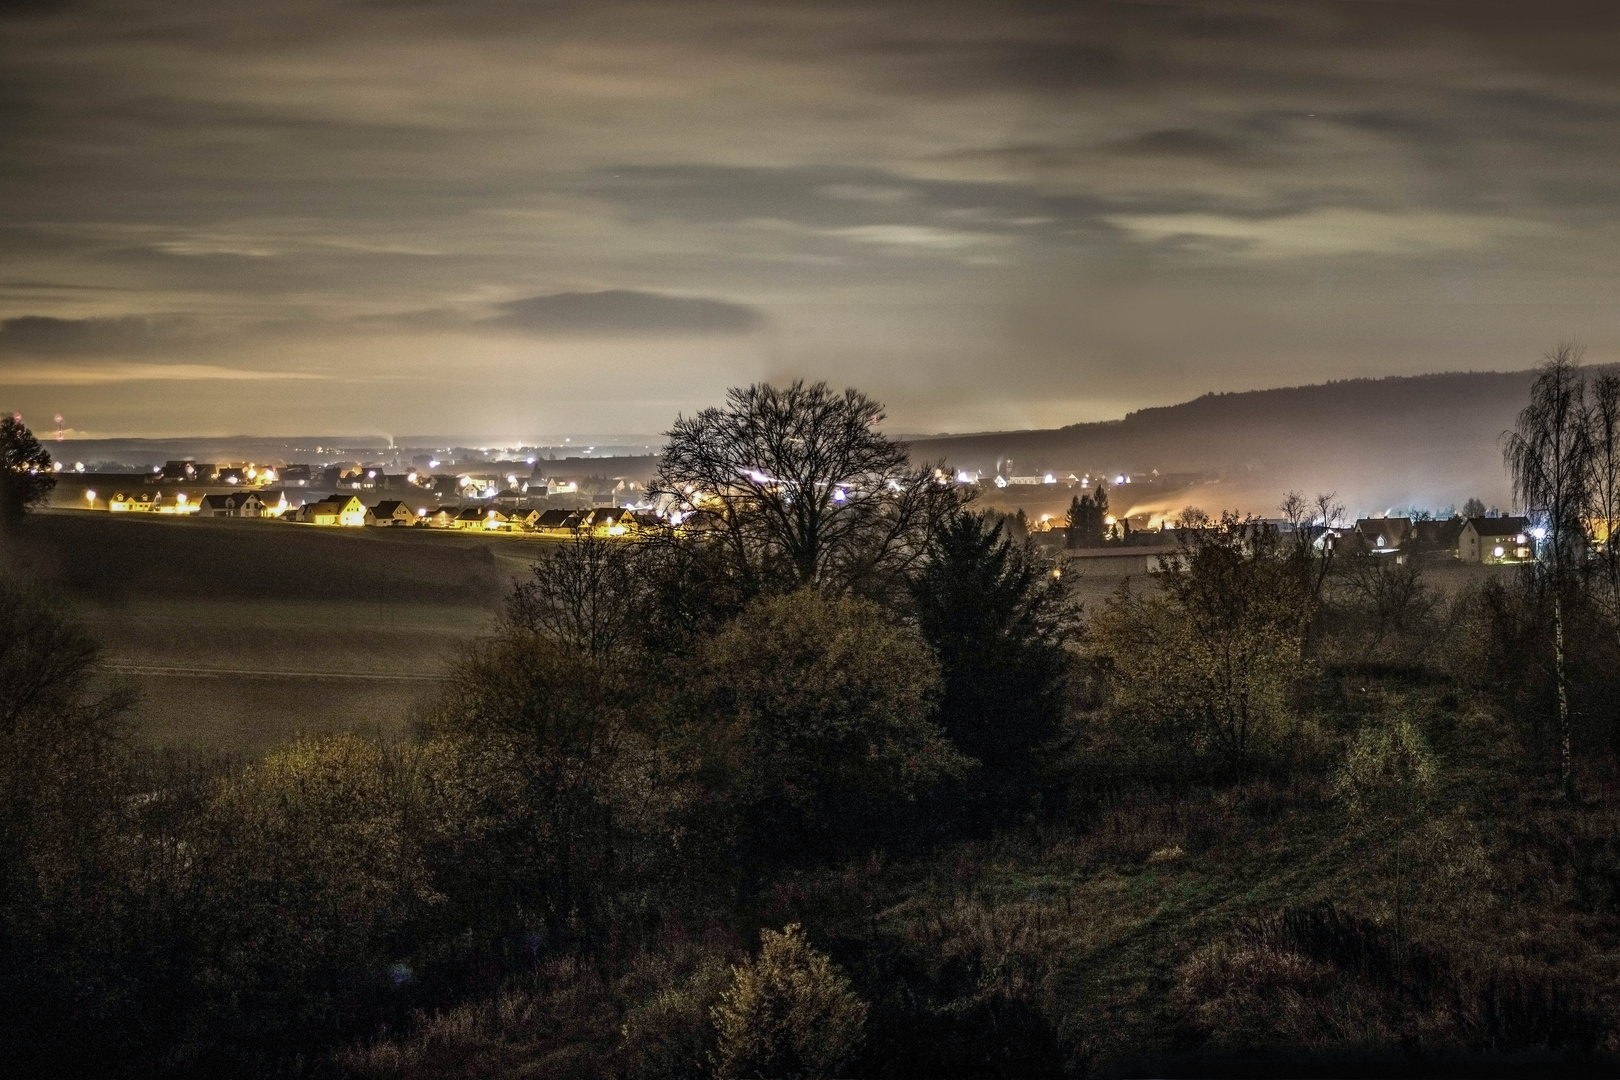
(59, 435)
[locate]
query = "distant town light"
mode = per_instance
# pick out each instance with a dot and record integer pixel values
(78, 466)
(1120, 479)
(433, 463)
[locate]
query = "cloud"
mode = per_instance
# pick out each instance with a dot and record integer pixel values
(626, 312)
(99, 374)
(47, 335)
(916, 237)
(1330, 232)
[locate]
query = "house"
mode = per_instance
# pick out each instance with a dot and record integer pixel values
(186, 469)
(487, 519)
(180, 504)
(390, 512)
(1382, 536)
(1496, 541)
(1121, 561)
(524, 519)
(233, 476)
(297, 475)
(509, 497)
(556, 521)
(334, 510)
(1437, 539)
(611, 521)
(235, 504)
(273, 503)
(442, 518)
(141, 502)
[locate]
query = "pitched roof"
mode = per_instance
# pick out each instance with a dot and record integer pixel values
(388, 507)
(1500, 526)
(1438, 534)
(1393, 530)
(554, 519)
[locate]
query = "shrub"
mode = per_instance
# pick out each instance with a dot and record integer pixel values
(830, 714)
(788, 1013)
(312, 880)
(671, 1035)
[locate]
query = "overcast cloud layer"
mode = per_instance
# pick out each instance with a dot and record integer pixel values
(527, 219)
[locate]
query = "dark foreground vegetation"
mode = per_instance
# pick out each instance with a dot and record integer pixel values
(842, 783)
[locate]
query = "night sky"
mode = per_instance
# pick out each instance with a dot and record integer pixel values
(529, 220)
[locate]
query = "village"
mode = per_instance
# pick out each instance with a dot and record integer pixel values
(503, 501)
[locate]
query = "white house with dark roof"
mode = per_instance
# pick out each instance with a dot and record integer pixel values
(235, 504)
(1496, 540)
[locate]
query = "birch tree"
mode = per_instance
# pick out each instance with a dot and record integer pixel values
(1548, 455)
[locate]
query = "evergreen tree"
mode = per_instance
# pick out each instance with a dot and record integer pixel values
(996, 619)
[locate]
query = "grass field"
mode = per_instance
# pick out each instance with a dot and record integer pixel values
(241, 634)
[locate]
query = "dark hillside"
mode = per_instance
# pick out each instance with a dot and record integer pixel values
(1427, 440)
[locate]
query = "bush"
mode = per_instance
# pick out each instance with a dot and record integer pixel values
(788, 1013)
(671, 1035)
(64, 849)
(313, 880)
(829, 709)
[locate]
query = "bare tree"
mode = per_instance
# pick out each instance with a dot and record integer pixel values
(1304, 518)
(1548, 455)
(802, 488)
(1603, 487)
(579, 596)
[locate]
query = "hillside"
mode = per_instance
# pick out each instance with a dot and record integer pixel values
(1426, 440)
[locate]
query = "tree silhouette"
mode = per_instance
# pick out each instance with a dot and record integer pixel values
(802, 489)
(997, 620)
(1548, 455)
(26, 478)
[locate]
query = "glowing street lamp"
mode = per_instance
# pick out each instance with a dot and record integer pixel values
(90, 497)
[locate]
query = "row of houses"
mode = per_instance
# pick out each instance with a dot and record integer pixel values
(1491, 541)
(348, 510)
(1488, 540)
(232, 504)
